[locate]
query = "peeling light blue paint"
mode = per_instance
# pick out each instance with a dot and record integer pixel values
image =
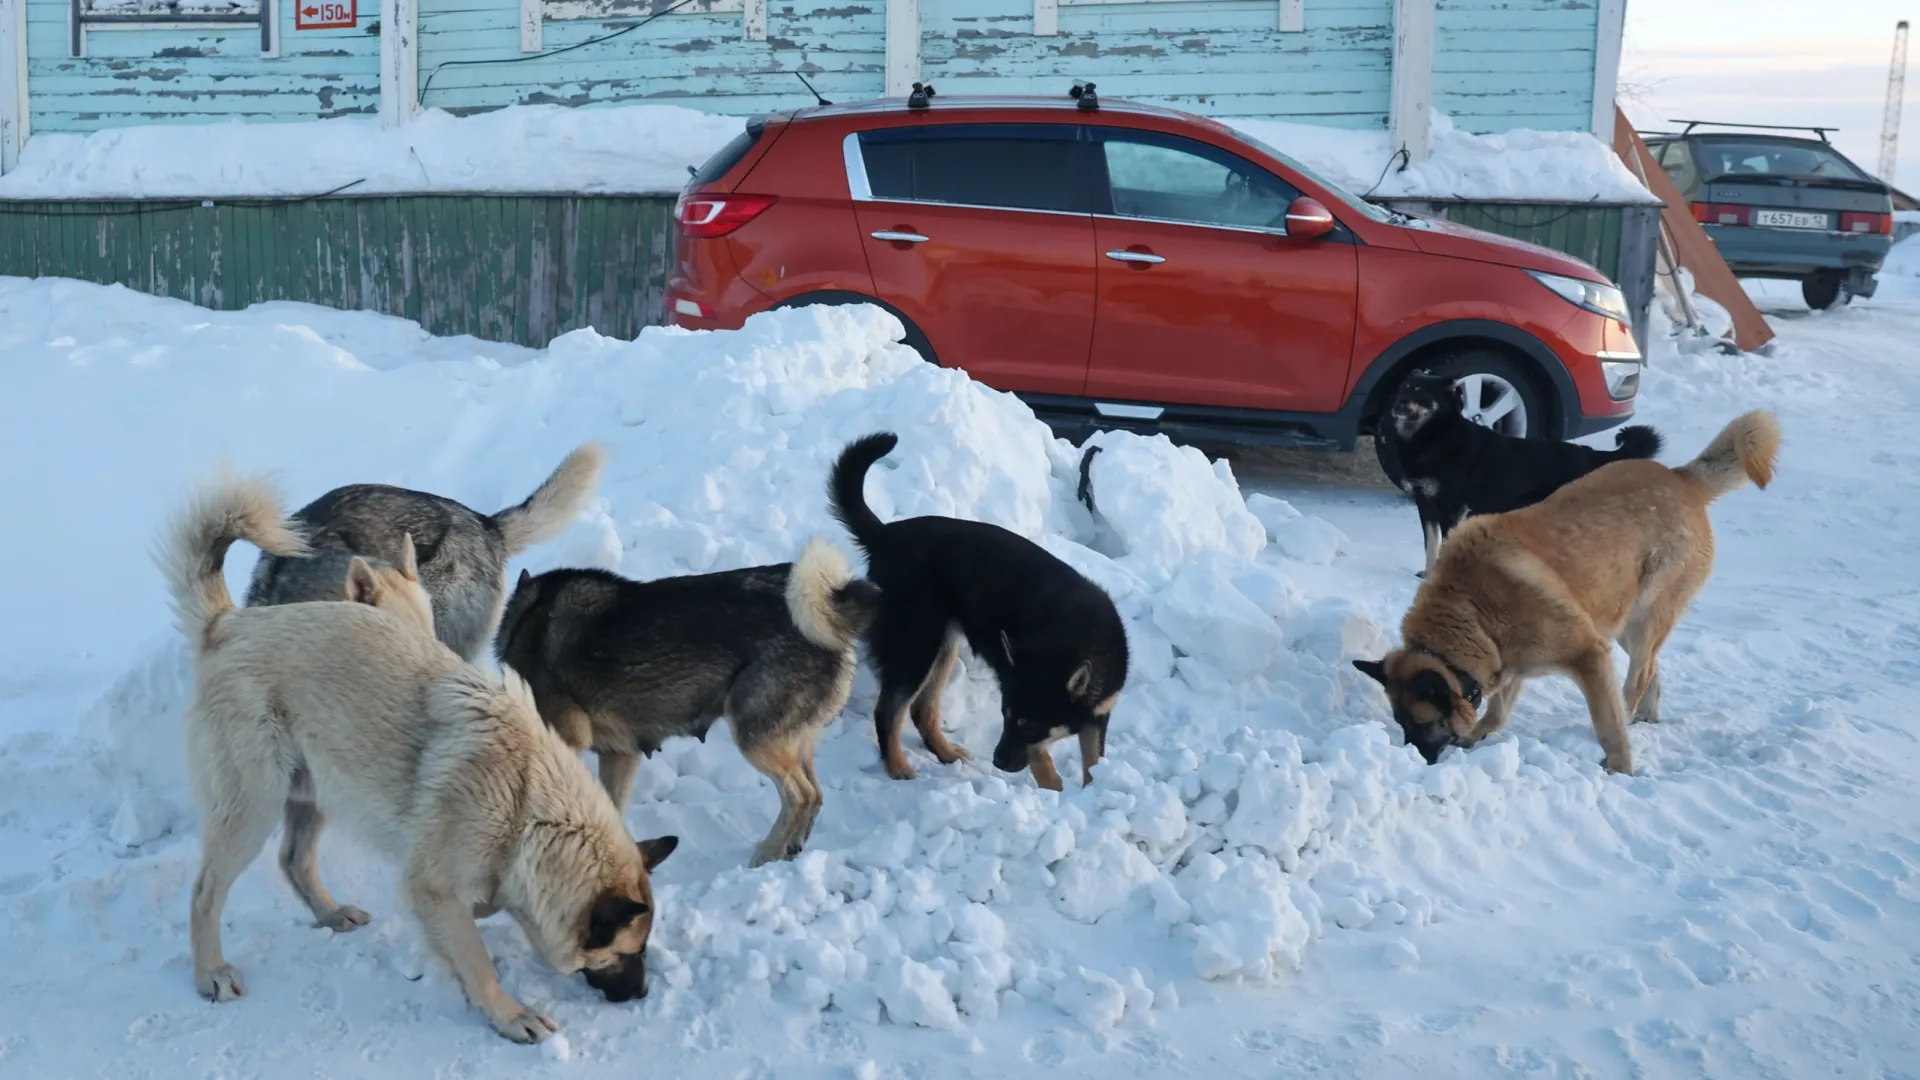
(1497, 64)
(196, 74)
(1505, 64)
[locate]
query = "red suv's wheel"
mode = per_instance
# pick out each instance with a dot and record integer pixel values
(1499, 393)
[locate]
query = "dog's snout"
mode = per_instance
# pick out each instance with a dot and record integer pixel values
(624, 981)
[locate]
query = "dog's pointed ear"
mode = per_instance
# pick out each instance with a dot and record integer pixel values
(526, 575)
(1372, 669)
(1006, 646)
(1081, 680)
(654, 852)
(362, 585)
(609, 915)
(409, 561)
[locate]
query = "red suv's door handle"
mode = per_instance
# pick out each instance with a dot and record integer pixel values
(1122, 255)
(900, 236)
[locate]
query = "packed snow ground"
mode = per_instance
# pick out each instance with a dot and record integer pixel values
(1259, 882)
(643, 149)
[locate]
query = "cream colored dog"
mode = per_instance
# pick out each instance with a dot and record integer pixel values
(355, 710)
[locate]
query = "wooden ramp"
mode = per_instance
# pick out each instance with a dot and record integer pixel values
(1691, 247)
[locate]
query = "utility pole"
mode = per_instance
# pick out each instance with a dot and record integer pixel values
(1896, 91)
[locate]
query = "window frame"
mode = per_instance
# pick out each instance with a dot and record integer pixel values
(80, 21)
(859, 183)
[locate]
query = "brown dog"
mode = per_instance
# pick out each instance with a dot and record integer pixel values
(1616, 555)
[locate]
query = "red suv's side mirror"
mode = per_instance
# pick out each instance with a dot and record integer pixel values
(1308, 220)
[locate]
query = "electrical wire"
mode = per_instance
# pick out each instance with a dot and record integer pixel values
(623, 31)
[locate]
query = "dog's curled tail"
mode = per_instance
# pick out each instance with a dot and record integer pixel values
(193, 550)
(1744, 450)
(1638, 441)
(555, 503)
(830, 607)
(846, 491)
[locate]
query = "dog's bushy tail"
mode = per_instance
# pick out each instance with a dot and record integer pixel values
(1744, 450)
(846, 491)
(1638, 441)
(555, 503)
(193, 550)
(830, 607)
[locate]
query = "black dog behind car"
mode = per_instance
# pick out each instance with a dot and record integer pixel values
(1053, 638)
(1456, 468)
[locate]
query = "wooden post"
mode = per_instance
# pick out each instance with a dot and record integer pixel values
(13, 82)
(903, 46)
(1693, 248)
(1410, 110)
(399, 62)
(1606, 65)
(1293, 16)
(1046, 18)
(533, 18)
(754, 15)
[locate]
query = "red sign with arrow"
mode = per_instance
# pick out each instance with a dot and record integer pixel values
(325, 14)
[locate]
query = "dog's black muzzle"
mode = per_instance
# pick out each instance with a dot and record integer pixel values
(623, 981)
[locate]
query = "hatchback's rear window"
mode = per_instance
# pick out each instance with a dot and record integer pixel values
(1718, 157)
(729, 155)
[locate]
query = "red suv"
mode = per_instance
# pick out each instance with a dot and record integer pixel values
(1121, 265)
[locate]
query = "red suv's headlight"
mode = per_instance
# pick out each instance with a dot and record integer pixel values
(707, 216)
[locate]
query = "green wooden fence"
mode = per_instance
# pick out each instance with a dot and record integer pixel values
(520, 268)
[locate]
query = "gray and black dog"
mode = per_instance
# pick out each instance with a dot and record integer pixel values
(462, 553)
(620, 666)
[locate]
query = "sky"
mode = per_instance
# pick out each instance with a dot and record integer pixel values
(1773, 62)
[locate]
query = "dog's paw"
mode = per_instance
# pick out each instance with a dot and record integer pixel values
(950, 754)
(220, 984)
(1620, 763)
(345, 918)
(526, 1026)
(899, 770)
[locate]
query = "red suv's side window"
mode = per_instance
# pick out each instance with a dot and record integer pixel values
(1007, 166)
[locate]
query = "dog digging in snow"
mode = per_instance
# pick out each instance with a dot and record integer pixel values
(620, 666)
(354, 710)
(1616, 555)
(1053, 639)
(462, 553)
(1455, 467)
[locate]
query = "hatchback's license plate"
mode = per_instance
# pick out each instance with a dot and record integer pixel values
(1789, 219)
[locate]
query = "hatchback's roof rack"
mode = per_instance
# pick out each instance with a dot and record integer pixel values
(1691, 124)
(1083, 93)
(921, 97)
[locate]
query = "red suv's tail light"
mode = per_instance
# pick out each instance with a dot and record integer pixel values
(1866, 223)
(1708, 213)
(707, 216)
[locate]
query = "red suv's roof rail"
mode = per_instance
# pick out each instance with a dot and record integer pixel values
(945, 103)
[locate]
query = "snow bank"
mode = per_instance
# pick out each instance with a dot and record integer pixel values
(525, 148)
(1238, 818)
(1524, 164)
(640, 149)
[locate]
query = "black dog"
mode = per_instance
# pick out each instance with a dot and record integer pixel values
(1457, 468)
(1053, 638)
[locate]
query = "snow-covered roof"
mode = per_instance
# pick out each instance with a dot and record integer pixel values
(647, 149)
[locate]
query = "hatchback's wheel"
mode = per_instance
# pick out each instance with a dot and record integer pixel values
(1822, 290)
(1495, 392)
